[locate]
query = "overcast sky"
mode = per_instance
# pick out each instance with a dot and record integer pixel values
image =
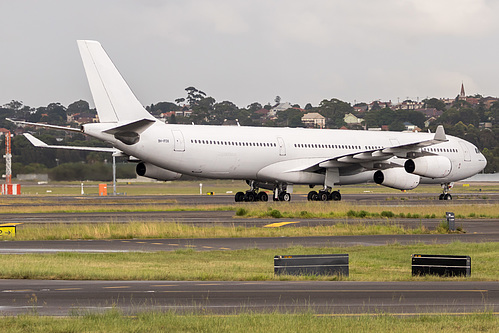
(251, 51)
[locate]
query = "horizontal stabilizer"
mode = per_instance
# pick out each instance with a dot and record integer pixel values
(54, 127)
(39, 143)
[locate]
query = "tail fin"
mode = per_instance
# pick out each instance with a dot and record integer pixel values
(114, 100)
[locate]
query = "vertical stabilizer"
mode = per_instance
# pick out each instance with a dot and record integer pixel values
(114, 100)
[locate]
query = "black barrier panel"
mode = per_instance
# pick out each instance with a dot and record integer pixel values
(319, 264)
(424, 264)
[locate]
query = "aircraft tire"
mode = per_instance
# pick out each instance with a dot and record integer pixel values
(239, 197)
(335, 196)
(284, 196)
(447, 196)
(312, 196)
(323, 196)
(262, 196)
(250, 196)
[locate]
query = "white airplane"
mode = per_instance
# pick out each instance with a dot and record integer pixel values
(267, 158)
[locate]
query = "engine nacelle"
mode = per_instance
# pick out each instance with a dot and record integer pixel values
(151, 171)
(429, 166)
(396, 178)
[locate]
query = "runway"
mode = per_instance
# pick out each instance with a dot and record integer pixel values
(60, 298)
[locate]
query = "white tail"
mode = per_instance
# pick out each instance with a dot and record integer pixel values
(114, 100)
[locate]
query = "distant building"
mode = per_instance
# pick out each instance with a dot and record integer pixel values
(279, 107)
(313, 119)
(351, 119)
(411, 127)
(431, 112)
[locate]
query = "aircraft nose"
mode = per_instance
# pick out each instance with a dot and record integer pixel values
(484, 161)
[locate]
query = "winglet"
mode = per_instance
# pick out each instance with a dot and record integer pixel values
(440, 134)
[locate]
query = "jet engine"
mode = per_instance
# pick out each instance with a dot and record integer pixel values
(429, 166)
(151, 171)
(396, 178)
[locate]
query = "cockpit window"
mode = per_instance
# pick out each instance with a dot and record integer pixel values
(477, 151)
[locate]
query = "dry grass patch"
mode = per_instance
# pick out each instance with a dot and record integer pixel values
(168, 230)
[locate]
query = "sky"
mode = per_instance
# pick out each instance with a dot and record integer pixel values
(252, 51)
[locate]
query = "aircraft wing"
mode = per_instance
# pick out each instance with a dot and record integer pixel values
(39, 143)
(369, 159)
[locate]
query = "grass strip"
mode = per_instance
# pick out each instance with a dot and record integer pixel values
(367, 263)
(115, 321)
(352, 210)
(283, 209)
(171, 230)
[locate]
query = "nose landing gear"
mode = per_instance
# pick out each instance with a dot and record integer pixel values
(445, 195)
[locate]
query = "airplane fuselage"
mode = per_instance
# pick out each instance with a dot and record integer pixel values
(239, 152)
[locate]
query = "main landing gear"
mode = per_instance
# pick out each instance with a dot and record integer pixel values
(324, 195)
(445, 195)
(254, 193)
(251, 195)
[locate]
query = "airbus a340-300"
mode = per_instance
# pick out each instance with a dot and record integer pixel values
(267, 158)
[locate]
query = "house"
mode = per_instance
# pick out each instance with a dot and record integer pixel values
(351, 119)
(313, 119)
(431, 112)
(411, 127)
(278, 108)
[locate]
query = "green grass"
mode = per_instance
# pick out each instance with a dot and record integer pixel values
(367, 263)
(353, 210)
(171, 230)
(115, 321)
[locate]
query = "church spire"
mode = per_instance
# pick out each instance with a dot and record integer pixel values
(462, 94)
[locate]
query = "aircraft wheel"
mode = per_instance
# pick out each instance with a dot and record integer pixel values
(336, 196)
(239, 197)
(441, 196)
(262, 196)
(312, 196)
(323, 196)
(284, 196)
(250, 197)
(447, 196)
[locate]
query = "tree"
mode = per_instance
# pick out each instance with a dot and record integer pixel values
(334, 110)
(194, 96)
(14, 105)
(434, 103)
(80, 106)
(202, 110)
(290, 118)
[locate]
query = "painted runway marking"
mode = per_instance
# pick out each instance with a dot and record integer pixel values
(208, 284)
(173, 244)
(157, 243)
(279, 224)
(207, 247)
(223, 248)
(117, 287)
(67, 289)
(164, 285)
